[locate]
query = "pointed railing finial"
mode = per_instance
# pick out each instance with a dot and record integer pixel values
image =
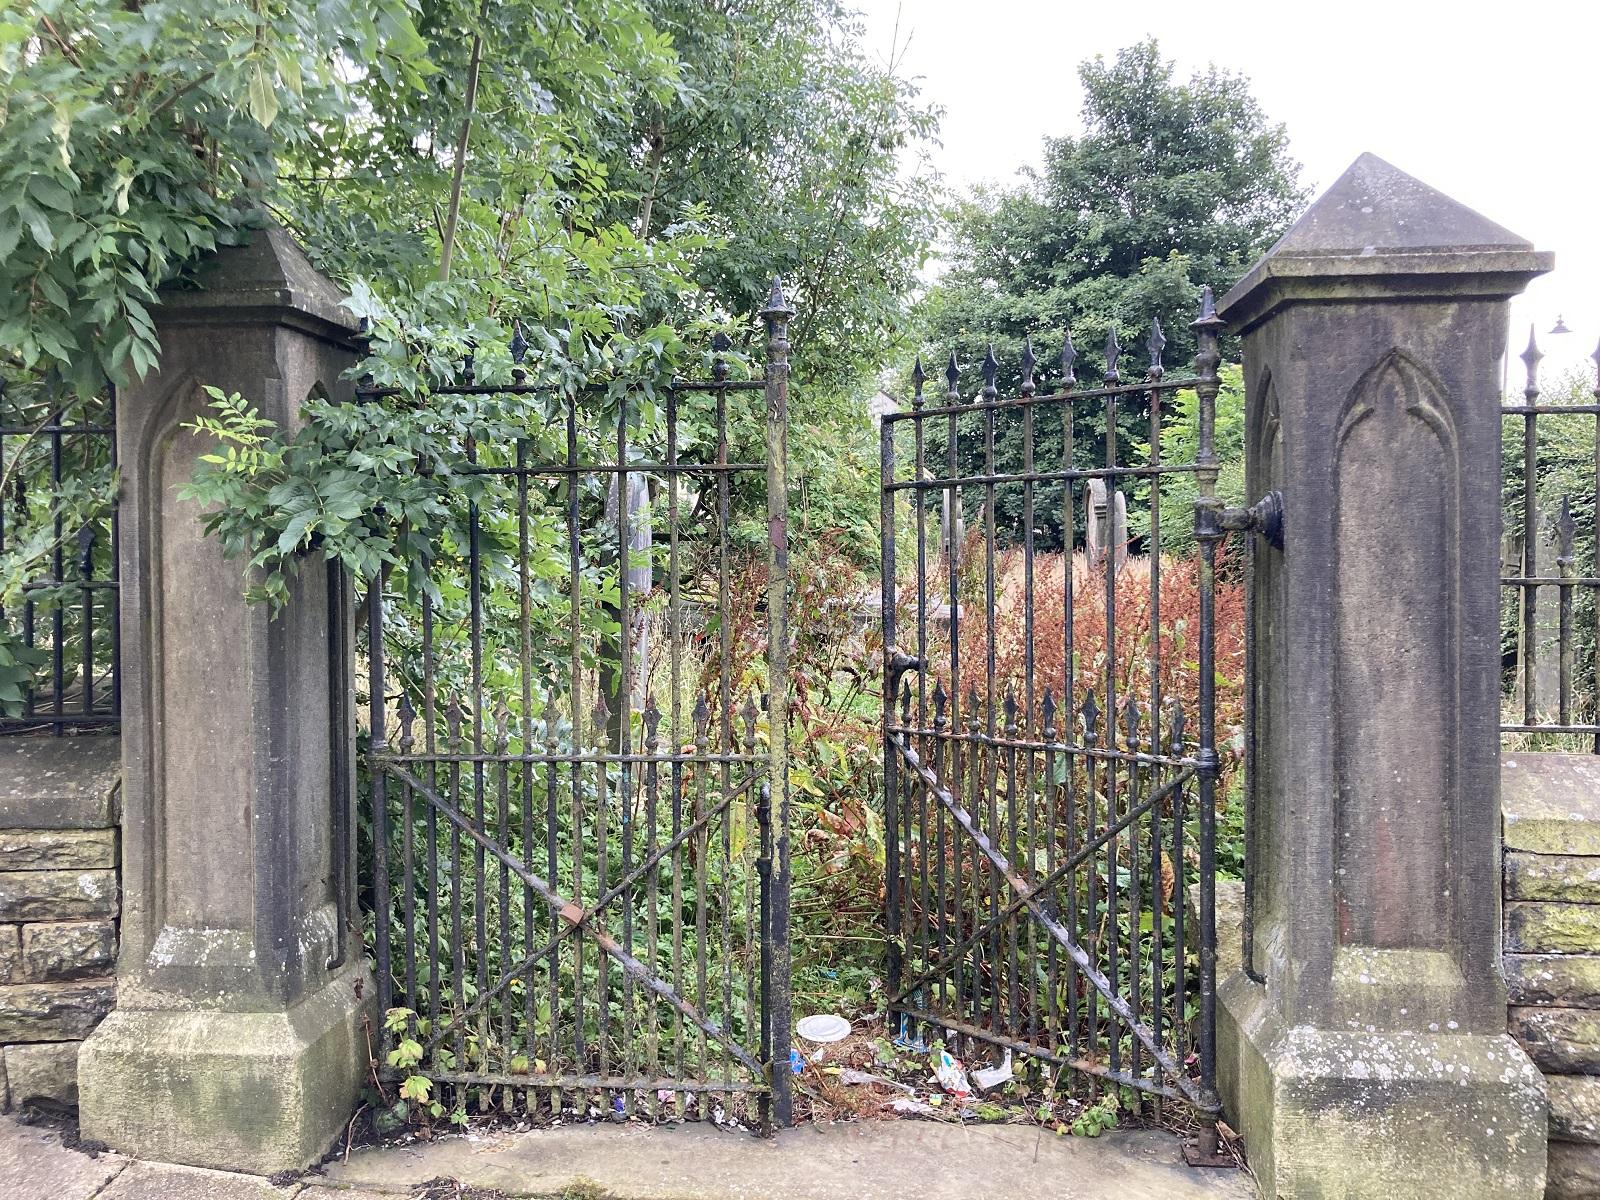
(918, 378)
(1113, 353)
(1069, 356)
(991, 368)
(1530, 359)
(1208, 318)
(1156, 344)
(952, 378)
(519, 343)
(777, 306)
(1028, 363)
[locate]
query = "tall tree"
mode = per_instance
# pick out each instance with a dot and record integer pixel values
(1172, 184)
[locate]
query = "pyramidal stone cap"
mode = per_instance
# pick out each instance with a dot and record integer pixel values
(266, 275)
(1380, 232)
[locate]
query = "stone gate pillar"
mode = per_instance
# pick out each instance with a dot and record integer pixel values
(1373, 1060)
(236, 1038)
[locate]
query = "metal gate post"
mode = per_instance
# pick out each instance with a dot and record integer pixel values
(775, 944)
(1374, 1060)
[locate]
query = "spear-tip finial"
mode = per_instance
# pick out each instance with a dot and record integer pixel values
(777, 306)
(952, 376)
(1028, 363)
(1208, 319)
(991, 368)
(918, 378)
(1069, 355)
(1530, 359)
(1156, 344)
(519, 344)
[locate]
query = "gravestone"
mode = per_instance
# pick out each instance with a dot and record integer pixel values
(1106, 527)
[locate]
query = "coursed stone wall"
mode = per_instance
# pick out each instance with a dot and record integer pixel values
(59, 895)
(1551, 809)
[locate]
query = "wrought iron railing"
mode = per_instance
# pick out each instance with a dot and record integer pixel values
(59, 634)
(1550, 617)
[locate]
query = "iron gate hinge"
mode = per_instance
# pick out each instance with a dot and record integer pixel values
(1265, 517)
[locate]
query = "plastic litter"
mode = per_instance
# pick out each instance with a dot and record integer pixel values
(823, 1027)
(912, 1107)
(851, 1076)
(797, 1064)
(952, 1076)
(990, 1078)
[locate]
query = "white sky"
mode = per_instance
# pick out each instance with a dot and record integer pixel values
(1496, 104)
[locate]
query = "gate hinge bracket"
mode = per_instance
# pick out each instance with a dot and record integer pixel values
(1264, 517)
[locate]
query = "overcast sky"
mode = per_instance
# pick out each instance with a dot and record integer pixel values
(1495, 104)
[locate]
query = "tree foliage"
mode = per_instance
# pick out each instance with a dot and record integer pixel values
(1172, 184)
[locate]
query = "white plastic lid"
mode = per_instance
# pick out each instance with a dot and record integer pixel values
(824, 1027)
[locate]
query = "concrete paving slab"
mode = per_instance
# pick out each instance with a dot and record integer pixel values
(889, 1160)
(166, 1181)
(34, 1165)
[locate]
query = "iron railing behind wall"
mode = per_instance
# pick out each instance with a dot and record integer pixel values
(1550, 580)
(579, 856)
(59, 639)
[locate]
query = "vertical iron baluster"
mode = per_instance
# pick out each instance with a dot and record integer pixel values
(575, 838)
(978, 777)
(408, 896)
(600, 739)
(776, 315)
(749, 874)
(1047, 789)
(1564, 567)
(1012, 1026)
(502, 747)
(991, 781)
(377, 727)
(1131, 717)
(1180, 892)
(702, 729)
(1091, 938)
(652, 749)
(458, 949)
(891, 786)
(115, 559)
(1069, 759)
(624, 733)
(475, 645)
(530, 915)
(675, 729)
(58, 574)
(1112, 935)
(919, 497)
(952, 550)
(551, 861)
(941, 868)
(1594, 713)
(724, 742)
(1208, 533)
(1156, 345)
(1024, 919)
(86, 618)
(1530, 527)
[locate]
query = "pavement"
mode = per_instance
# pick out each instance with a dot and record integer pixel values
(881, 1160)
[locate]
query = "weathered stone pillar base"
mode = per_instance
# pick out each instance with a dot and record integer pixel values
(245, 1091)
(1328, 1113)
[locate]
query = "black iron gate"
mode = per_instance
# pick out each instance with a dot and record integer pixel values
(579, 858)
(1050, 762)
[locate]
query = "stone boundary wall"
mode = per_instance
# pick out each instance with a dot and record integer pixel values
(59, 898)
(1550, 804)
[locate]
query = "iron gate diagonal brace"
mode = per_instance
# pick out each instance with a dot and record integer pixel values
(576, 916)
(1047, 918)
